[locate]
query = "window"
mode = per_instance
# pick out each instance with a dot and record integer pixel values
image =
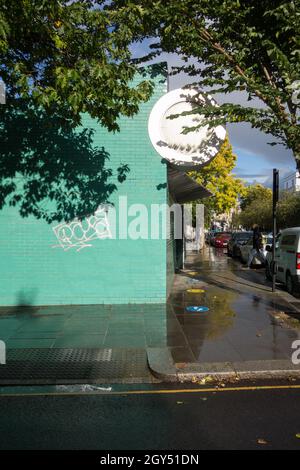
(288, 240)
(277, 240)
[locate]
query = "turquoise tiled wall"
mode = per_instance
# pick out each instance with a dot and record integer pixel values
(34, 270)
(171, 251)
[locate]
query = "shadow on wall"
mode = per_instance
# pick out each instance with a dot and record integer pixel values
(48, 168)
(25, 300)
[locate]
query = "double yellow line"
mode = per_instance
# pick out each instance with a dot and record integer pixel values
(155, 392)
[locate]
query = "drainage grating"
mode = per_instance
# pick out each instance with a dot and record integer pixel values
(65, 366)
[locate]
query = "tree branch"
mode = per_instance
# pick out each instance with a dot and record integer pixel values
(218, 47)
(206, 36)
(277, 99)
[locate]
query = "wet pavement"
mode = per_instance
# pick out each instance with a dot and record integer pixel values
(243, 323)
(244, 320)
(85, 326)
(80, 344)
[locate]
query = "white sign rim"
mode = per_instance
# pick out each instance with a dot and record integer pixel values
(174, 156)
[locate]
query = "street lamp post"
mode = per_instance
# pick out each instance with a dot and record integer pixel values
(275, 200)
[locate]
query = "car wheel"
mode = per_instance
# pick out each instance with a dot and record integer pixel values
(289, 284)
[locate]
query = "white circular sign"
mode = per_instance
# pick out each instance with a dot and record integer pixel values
(193, 149)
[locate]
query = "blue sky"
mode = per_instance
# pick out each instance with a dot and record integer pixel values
(256, 158)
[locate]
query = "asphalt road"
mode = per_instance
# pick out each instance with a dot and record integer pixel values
(184, 420)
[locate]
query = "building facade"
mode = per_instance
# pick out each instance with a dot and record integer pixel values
(75, 262)
(79, 225)
(291, 182)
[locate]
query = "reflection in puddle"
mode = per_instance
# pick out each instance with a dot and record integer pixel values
(241, 323)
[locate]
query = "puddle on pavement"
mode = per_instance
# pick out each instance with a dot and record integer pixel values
(243, 323)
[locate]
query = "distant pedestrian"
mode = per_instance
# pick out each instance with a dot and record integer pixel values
(257, 245)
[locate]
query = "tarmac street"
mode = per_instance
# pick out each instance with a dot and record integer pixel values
(171, 418)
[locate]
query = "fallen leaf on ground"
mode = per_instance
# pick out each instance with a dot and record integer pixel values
(206, 380)
(180, 403)
(298, 435)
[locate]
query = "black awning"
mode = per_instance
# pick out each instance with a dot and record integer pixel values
(183, 188)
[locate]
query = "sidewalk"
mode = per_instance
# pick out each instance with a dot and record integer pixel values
(80, 344)
(247, 331)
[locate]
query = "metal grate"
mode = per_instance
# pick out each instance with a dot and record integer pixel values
(52, 366)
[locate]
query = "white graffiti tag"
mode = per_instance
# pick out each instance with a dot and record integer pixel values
(79, 234)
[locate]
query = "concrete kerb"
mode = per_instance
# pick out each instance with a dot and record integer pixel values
(163, 367)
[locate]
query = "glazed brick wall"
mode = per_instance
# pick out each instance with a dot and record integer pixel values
(34, 270)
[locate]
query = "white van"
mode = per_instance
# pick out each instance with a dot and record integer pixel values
(287, 259)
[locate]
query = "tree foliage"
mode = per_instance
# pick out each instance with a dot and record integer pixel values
(217, 177)
(288, 211)
(255, 193)
(256, 208)
(68, 57)
(257, 212)
(246, 45)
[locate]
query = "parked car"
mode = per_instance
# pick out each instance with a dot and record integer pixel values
(208, 236)
(287, 259)
(236, 240)
(221, 239)
(247, 247)
(213, 235)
